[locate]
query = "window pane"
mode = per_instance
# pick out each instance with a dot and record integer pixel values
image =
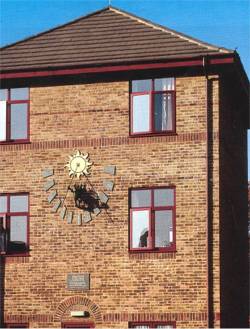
(163, 228)
(19, 203)
(140, 228)
(141, 198)
(3, 94)
(19, 117)
(163, 120)
(164, 84)
(141, 85)
(163, 197)
(3, 203)
(141, 113)
(19, 94)
(2, 120)
(18, 229)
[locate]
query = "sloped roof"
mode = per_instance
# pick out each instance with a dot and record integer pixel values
(108, 36)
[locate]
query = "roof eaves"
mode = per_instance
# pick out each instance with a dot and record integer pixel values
(55, 28)
(178, 59)
(173, 32)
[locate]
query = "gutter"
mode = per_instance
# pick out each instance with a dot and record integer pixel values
(50, 72)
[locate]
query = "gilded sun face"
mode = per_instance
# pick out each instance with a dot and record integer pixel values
(78, 164)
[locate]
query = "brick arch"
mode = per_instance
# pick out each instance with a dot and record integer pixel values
(71, 301)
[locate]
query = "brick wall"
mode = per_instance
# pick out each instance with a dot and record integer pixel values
(95, 119)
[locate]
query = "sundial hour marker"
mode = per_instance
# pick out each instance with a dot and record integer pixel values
(79, 219)
(63, 212)
(108, 185)
(47, 173)
(103, 197)
(56, 206)
(97, 211)
(70, 217)
(49, 184)
(110, 169)
(52, 196)
(86, 217)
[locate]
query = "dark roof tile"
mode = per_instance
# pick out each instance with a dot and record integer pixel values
(107, 36)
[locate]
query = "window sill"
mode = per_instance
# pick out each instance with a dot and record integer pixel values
(170, 133)
(15, 253)
(14, 142)
(152, 255)
(170, 248)
(23, 254)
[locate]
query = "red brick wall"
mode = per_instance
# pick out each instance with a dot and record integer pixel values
(95, 119)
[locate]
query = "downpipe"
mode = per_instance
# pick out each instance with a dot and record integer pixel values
(209, 283)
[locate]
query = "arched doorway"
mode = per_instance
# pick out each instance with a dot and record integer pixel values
(78, 312)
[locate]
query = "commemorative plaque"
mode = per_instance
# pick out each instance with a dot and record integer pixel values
(78, 281)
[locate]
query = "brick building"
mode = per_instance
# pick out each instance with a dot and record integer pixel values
(149, 228)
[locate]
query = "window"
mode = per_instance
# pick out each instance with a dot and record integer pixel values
(14, 108)
(152, 219)
(14, 213)
(149, 325)
(152, 106)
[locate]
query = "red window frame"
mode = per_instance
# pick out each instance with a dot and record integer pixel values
(9, 102)
(152, 324)
(151, 236)
(7, 215)
(151, 94)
